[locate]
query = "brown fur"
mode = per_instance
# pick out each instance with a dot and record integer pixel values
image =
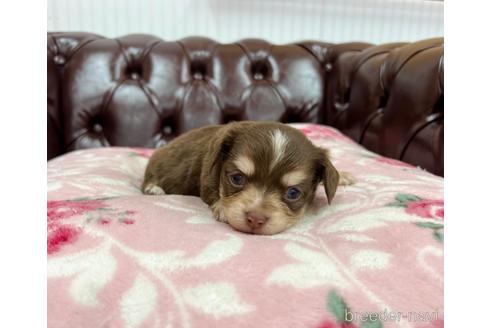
(200, 162)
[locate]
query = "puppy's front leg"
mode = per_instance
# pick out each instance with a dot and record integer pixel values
(218, 211)
(152, 189)
(346, 179)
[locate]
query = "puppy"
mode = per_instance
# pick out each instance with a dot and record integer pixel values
(259, 177)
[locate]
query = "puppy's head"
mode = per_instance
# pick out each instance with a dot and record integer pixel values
(267, 174)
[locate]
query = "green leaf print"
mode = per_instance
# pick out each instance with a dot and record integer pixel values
(396, 204)
(439, 236)
(430, 225)
(405, 198)
(371, 324)
(337, 306)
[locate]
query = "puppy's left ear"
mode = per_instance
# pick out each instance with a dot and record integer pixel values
(328, 175)
(218, 149)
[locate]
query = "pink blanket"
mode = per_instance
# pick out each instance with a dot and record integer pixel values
(117, 258)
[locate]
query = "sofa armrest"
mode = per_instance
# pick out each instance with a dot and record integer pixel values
(55, 139)
(390, 98)
(61, 47)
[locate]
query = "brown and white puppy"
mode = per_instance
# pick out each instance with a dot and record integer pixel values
(259, 177)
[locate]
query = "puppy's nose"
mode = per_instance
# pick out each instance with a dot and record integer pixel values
(255, 220)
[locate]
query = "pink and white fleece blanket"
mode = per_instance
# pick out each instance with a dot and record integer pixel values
(117, 258)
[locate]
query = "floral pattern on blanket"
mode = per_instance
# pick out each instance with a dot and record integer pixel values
(117, 258)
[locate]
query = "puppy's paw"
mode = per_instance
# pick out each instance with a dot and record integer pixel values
(218, 212)
(152, 189)
(346, 179)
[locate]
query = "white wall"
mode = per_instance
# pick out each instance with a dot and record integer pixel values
(279, 21)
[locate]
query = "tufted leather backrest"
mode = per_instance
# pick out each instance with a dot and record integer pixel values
(139, 90)
(390, 98)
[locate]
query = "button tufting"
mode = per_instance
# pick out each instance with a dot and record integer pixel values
(258, 76)
(341, 106)
(59, 60)
(198, 70)
(260, 69)
(134, 70)
(328, 67)
(167, 130)
(197, 76)
(97, 128)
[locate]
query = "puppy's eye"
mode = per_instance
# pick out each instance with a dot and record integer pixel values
(292, 194)
(237, 179)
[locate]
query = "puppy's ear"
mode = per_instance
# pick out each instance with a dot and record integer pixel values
(218, 150)
(328, 174)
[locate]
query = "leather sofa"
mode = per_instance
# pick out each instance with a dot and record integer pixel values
(141, 91)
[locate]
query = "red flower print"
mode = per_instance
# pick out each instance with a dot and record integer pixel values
(144, 152)
(320, 132)
(62, 209)
(61, 235)
(128, 221)
(127, 218)
(331, 324)
(426, 208)
(434, 324)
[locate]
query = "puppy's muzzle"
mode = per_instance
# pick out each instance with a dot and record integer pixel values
(255, 220)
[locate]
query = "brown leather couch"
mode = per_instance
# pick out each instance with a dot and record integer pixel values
(139, 90)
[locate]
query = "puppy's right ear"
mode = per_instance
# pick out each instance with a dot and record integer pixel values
(218, 150)
(328, 175)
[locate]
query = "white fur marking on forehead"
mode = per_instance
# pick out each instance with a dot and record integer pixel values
(245, 165)
(279, 142)
(293, 178)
